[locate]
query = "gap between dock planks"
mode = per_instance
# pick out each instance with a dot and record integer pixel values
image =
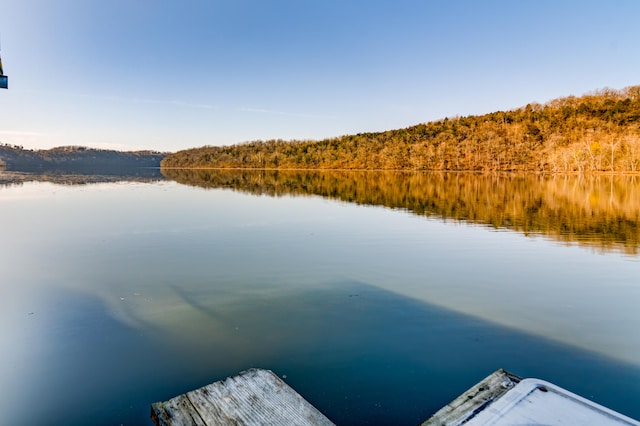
(253, 397)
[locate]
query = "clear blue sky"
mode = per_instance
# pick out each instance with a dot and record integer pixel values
(169, 75)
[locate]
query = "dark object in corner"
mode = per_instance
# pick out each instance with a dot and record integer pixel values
(4, 80)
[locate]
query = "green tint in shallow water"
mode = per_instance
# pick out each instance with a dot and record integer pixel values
(118, 295)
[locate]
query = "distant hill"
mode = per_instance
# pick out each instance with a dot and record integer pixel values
(77, 159)
(597, 132)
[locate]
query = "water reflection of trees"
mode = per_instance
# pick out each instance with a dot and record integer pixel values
(20, 178)
(598, 211)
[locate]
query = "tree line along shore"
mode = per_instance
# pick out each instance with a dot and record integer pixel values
(77, 159)
(597, 132)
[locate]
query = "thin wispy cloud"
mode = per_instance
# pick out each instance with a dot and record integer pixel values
(284, 113)
(21, 137)
(175, 102)
(20, 133)
(172, 102)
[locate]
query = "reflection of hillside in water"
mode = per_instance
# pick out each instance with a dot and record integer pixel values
(18, 178)
(596, 211)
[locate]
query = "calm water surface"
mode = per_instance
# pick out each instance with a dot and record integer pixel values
(116, 295)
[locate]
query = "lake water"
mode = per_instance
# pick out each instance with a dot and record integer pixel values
(378, 296)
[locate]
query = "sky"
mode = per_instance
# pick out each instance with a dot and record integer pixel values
(176, 74)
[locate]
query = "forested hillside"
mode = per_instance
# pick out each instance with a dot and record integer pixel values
(591, 133)
(76, 159)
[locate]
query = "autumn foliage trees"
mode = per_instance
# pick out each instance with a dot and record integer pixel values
(598, 132)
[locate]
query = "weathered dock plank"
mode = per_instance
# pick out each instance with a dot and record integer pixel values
(177, 411)
(504, 399)
(474, 400)
(253, 397)
(259, 397)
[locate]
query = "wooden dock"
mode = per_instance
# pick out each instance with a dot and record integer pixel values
(259, 397)
(253, 397)
(474, 400)
(503, 399)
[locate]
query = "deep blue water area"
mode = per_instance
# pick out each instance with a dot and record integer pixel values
(362, 355)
